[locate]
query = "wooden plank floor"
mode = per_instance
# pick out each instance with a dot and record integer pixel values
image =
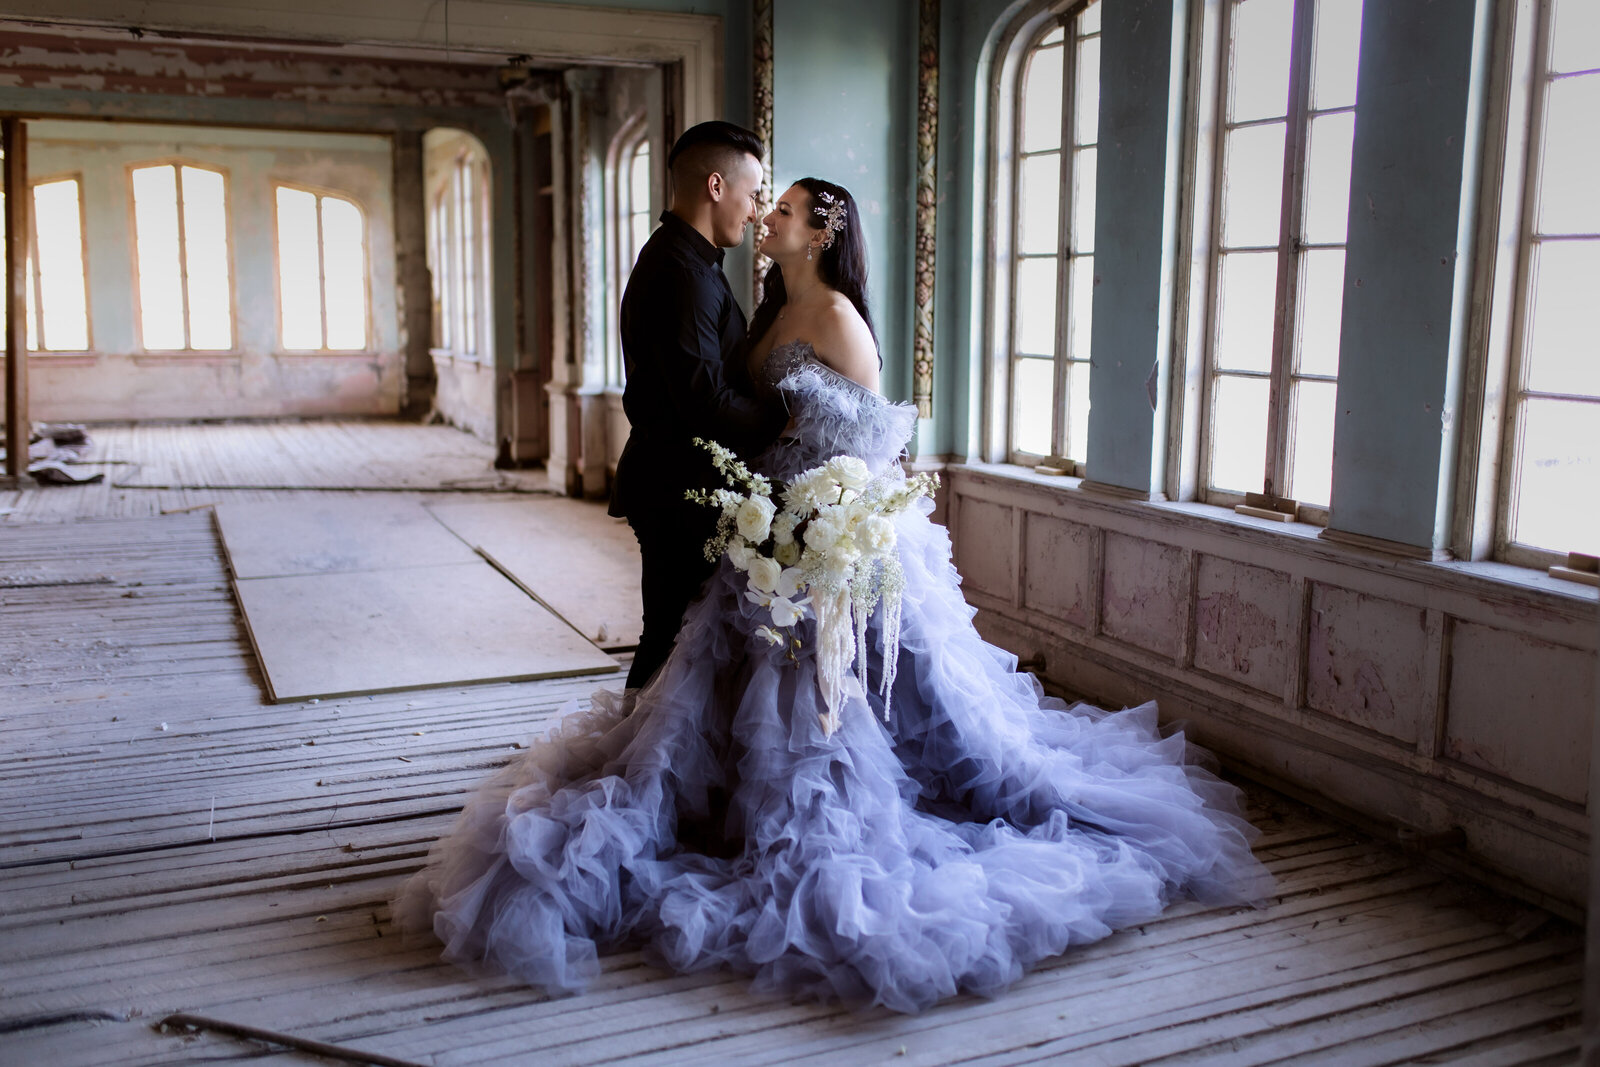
(171, 842)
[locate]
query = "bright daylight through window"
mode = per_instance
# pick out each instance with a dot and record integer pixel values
(1550, 497)
(180, 215)
(1289, 96)
(1053, 237)
(57, 296)
(322, 272)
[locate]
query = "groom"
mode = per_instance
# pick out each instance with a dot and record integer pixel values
(681, 332)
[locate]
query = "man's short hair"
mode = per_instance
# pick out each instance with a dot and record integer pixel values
(712, 147)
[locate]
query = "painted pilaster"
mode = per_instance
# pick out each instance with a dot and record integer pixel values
(761, 99)
(414, 295)
(1413, 195)
(1136, 243)
(927, 206)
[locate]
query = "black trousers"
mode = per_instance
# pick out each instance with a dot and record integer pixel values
(671, 548)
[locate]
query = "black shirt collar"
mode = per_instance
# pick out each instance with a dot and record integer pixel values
(692, 237)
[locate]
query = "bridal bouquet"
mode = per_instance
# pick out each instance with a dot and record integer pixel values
(823, 544)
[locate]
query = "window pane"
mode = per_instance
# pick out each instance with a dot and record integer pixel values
(1033, 395)
(60, 250)
(1328, 177)
(30, 310)
(1077, 410)
(205, 238)
(1247, 293)
(639, 179)
(1081, 311)
(1036, 307)
(155, 219)
(1567, 200)
(1086, 90)
(1313, 442)
(297, 269)
(1259, 78)
(1041, 102)
(1338, 47)
(1239, 435)
(1252, 197)
(1576, 36)
(1053, 37)
(1039, 204)
(1089, 21)
(1557, 507)
(1563, 353)
(344, 259)
(1321, 302)
(1083, 198)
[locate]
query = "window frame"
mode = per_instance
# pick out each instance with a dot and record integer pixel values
(474, 289)
(321, 193)
(34, 281)
(625, 146)
(1284, 371)
(178, 163)
(1009, 216)
(1529, 170)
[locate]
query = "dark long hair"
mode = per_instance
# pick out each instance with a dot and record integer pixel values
(842, 266)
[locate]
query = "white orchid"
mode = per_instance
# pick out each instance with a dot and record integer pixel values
(786, 612)
(769, 635)
(790, 582)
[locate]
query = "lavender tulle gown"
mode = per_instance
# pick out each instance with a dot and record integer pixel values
(984, 828)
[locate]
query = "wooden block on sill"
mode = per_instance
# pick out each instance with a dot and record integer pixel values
(1264, 513)
(1046, 468)
(1580, 567)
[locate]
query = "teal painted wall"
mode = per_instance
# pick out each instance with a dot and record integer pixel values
(844, 109)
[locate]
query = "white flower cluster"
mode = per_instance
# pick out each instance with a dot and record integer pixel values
(833, 540)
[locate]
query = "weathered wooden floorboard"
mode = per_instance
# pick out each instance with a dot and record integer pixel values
(115, 900)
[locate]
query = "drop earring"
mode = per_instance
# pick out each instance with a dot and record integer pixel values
(809, 250)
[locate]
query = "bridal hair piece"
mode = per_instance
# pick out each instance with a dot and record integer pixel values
(833, 212)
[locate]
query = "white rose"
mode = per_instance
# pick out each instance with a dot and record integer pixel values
(740, 555)
(787, 553)
(764, 574)
(875, 535)
(848, 471)
(825, 531)
(754, 518)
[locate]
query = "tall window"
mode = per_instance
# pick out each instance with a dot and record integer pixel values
(1052, 265)
(180, 216)
(57, 293)
(459, 243)
(1549, 503)
(1289, 96)
(322, 272)
(630, 223)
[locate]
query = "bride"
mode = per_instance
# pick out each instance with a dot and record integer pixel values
(712, 819)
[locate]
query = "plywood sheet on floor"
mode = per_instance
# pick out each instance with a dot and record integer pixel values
(273, 540)
(569, 554)
(371, 631)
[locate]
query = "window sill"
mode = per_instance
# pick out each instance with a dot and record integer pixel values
(62, 359)
(1484, 578)
(196, 356)
(364, 356)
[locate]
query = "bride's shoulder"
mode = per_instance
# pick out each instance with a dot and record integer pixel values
(844, 343)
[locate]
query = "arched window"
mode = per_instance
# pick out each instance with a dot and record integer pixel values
(458, 255)
(180, 222)
(1049, 171)
(628, 221)
(322, 272)
(1288, 99)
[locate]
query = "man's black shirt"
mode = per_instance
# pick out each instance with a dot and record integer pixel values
(682, 332)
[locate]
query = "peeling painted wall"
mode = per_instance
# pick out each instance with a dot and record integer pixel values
(118, 379)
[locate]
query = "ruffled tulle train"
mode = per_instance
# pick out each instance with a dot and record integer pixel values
(706, 817)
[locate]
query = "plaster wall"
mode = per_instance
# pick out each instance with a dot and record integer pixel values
(117, 378)
(1426, 698)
